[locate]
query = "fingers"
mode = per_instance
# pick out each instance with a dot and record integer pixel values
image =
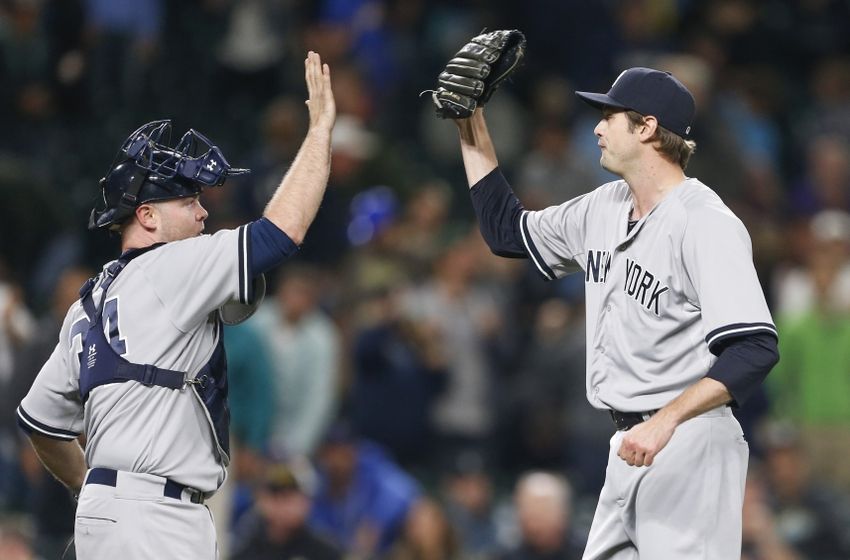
(634, 455)
(320, 100)
(318, 77)
(627, 455)
(312, 73)
(326, 78)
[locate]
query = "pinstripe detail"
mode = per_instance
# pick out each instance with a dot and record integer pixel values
(532, 250)
(29, 424)
(737, 329)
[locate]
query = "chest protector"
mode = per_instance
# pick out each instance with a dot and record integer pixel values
(101, 363)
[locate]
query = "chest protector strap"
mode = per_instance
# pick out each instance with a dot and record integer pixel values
(210, 384)
(101, 364)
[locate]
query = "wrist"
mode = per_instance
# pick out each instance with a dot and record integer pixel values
(320, 132)
(668, 416)
(464, 127)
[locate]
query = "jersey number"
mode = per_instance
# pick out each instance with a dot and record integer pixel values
(110, 313)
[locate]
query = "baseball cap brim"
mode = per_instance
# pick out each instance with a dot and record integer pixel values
(599, 100)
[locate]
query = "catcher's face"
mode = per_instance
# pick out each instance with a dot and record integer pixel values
(620, 146)
(181, 218)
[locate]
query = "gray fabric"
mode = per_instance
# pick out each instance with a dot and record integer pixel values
(167, 301)
(134, 521)
(653, 295)
(685, 506)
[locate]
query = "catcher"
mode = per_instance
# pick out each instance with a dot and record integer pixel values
(678, 330)
(139, 367)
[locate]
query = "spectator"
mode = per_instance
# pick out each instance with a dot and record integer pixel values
(424, 230)
(26, 99)
(811, 515)
(17, 324)
(124, 37)
(811, 384)
(467, 490)
(552, 169)
(363, 499)
(761, 539)
(47, 500)
(252, 54)
(827, 108)
(427, 535)
(252, 396)
(283, 126)
(824, 245)
(305, 349)
(17, 329)
(552, 427)
(363, 26)
(277, 527)
(543, 511)
(826, 182)
(353, 160)
(252, 409)
(399, 368)
(465, 319)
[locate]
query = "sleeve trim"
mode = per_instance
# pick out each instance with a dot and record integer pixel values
(743, 365)
(30, 424)
(542, 267)
(245, 281)
(738, 329)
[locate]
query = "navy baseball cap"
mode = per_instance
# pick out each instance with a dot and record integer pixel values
(649, 92)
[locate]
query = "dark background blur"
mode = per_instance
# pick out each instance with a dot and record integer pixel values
(441, 351)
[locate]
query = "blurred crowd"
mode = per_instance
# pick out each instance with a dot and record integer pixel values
(402, 394)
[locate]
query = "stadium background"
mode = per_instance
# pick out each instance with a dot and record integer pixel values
(490, 378)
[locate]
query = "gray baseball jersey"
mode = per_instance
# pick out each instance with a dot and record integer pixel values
(162, 309)
(657, 297)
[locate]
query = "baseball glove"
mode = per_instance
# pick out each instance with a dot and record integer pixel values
(476, 71)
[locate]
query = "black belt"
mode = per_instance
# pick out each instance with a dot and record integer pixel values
(171, 489)
(628, 420)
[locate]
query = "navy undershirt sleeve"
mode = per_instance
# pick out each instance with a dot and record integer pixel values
(744, 364)
(270, 246)
(498, 211)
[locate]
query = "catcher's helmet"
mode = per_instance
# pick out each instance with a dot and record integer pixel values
(146, 170)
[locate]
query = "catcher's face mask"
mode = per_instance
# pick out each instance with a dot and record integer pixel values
(147, 169)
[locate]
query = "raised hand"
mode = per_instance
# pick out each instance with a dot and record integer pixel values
(476, 71)
(320, 100)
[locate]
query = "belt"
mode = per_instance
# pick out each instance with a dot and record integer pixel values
(170, 489)
(628, 420)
